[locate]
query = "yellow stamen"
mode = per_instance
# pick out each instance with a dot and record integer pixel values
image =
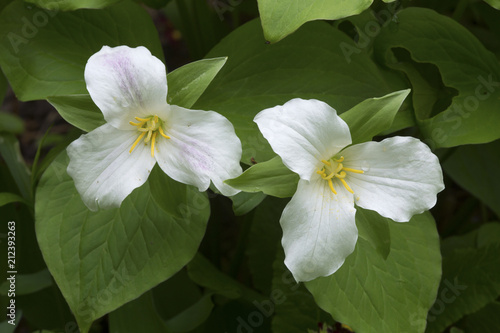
(143, 120)
(341, 175)
(137, 124)
(346, 186)
(163, 134)
(353, 170)
(331, 186)
(341, 159)
(330, 176)
(136, 142)
(153, 145)
(326, 162)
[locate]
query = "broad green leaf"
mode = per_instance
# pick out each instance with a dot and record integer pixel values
(11, 154)
(373, 116)
(44, 53)
(245, 202)
(187, 83)
(11, 123)
(28, 283)
(56, 5)
(428, 48)
(485, 320)
(374, 229)
(475, 168)
(493, 3)
(373, 294)
(294, 307)
(7, 198)
(78, 110)
(471, 280)
(125, 319)
(308, 64)
(103, 260)
(281, 18)
(271, 177)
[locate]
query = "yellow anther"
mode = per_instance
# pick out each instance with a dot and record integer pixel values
(330, 183)
(143, 120)
(346, 186)
(341, 159)
(339, 167)
(137, 124)
(330, 176)
(163, 134)
(146, 140)
(353, 170)
(326, 162)
(136, 142)
(153, 144)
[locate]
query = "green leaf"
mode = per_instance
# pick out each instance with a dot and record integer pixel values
(493, 3)
(271, 177)
(281, 18)
(187, 83)
(125, 318)
(78, 110)
(485, 320)
(474, 168)
(103, 260)
(373, 116)
(245, 202)
(308, 64)
(28, 283)
(11, 123)
(44, 53)
(463, 108)
(11, 153)
(63, 5)
(373, 294)
(374, 229)
(7, 198)
(471, 280)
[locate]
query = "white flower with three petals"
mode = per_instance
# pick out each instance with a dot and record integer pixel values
(397, 177)
(129, 85)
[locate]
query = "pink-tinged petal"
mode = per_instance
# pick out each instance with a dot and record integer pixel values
(203, 147)
(125, 83)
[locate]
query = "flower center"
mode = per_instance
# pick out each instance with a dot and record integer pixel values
(335, 169)
(148, 128)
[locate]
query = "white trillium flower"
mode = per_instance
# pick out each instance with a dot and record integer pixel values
(397, 177)
(129, 85)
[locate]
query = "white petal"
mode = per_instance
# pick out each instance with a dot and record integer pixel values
(125, 83)
(402, 176)
(202, 147)
(104, 171)
(303, 132)
(319, 230)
